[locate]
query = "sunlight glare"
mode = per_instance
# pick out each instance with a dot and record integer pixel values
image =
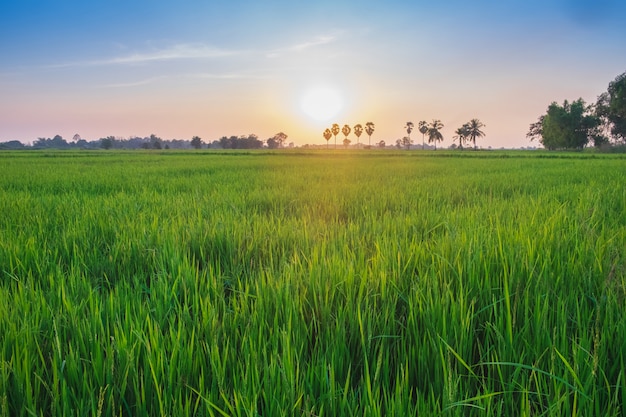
(321, 103)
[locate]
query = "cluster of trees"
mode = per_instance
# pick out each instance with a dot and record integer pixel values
(433, 130)
(346, 130)
(251, 141)
(151, 142)
(109, 142)
(247, 142)
(574, 125)
(56, 142)
(469, 132)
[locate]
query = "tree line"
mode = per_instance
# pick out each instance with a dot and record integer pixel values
(358, 131)
(250, 141)
(469, 131)
(575, 125)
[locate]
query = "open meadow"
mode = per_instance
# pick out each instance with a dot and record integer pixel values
(295, 283)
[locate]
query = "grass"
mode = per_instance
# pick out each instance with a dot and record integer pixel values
(312, 284)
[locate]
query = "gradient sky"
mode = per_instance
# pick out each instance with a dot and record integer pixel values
(214, 68)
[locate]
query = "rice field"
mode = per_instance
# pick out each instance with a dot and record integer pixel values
(318, 283)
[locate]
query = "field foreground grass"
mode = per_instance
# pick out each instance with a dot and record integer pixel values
(318, 284)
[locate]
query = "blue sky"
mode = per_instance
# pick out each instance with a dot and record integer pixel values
(179, 69)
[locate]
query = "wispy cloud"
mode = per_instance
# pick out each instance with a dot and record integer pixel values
(298, 47)
(176, 52)
(226, 76)
(190, 51)
(132, 83)
(320, 40)
(201, 75)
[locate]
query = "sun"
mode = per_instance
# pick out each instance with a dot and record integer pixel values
(321, 103)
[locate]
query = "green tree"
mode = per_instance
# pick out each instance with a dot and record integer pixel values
(156, 142)
(423, 128)
(107, 143)
(327, 135)
(250, 141)
(57, 142)
(611, 107)
(196, 142)
(335, 131)
(226, 142)
(569, 126)
(369, 129)
(434, 134)
(473, 130)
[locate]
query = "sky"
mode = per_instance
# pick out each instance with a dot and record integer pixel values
(179, 69)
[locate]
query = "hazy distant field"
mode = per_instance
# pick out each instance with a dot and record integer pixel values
(312, 284)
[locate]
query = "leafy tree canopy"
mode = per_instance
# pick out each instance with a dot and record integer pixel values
(568, 126)
(611, 107)
(196, 142)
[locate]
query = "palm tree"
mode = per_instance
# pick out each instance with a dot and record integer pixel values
(473, 130)
(423, 128)
(461, 134)
(327, 135)
(434, 135)
(358, 130)
(335, 130)
(407, 140)
(369, 129)
(346, 131)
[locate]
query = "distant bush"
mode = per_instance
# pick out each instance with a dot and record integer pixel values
(612, 148)
(13, 144)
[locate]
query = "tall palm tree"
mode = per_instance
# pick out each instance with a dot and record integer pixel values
(358, 130)
(409, 129)
(346, 131)
(423, 128)
(335, 131)
(434, 134)
(461, 134)
(473, 130)
(369, 129)
(327, 135)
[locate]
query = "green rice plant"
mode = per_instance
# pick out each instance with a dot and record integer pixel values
(312, 283)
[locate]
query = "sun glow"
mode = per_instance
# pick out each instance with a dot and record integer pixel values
(321, 103)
